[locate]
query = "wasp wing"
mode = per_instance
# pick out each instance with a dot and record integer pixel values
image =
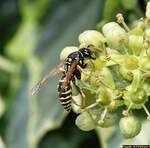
(40, 83)
(70, 72)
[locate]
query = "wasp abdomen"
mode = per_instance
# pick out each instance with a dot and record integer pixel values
(65, 95)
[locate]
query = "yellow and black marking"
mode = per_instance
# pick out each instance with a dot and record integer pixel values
(70, 73)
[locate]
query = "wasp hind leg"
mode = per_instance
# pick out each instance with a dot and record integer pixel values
(81, 93)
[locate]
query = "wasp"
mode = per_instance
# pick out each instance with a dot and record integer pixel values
(70, 73)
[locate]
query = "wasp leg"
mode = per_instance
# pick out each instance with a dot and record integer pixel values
(83, 71)
(81, 93)
(78, 74)
(84, 65)
(97, 48)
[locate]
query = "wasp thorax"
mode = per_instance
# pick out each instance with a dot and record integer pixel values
(85, 122)
(66, 51)
(130, 126)
(91, 37)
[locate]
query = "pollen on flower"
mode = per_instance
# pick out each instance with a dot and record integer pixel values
(118, 77)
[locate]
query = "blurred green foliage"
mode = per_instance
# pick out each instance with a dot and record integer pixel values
(32, 34)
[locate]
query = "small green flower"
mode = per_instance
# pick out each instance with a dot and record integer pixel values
(104, 96)
(119, 76)
(139, 96)
(135, 44)
(85, 122)
(116, 36)
(130, 126)
(66, 51)
(131, 62)
(91, 37)
(109, 120)
(126, 74)
(147, 32)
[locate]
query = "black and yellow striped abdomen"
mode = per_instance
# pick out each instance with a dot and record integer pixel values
(65, 94)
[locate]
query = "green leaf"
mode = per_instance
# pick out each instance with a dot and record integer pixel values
(2, 107)
(111, 9)
(21, 45)
(7, 65)
(30, 117)
(2, 145)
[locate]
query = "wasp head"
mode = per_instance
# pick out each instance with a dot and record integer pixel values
(87, 53)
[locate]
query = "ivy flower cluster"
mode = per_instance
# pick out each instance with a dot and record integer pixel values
(119, 78)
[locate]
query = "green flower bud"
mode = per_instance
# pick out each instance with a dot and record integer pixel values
(137, 30)
(130, 126)
(115, 35)
(95, 79)
(139, 96)
(148, 10)
(91, 37)
(109, 120)
(104, 96)
(147, 33)
(115, 104)
(126, 74)
(144, 63)
(128, 102)
(131, 62)
(66, 51)
(128, 4)
(147, 88)
(135, 82)
(84, 122)
(135, 44)
(99, 63)
(148, 53)
(77, 107)
(107, 78)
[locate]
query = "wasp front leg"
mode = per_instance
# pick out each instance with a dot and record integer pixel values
(97, 48)
(82, 70)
